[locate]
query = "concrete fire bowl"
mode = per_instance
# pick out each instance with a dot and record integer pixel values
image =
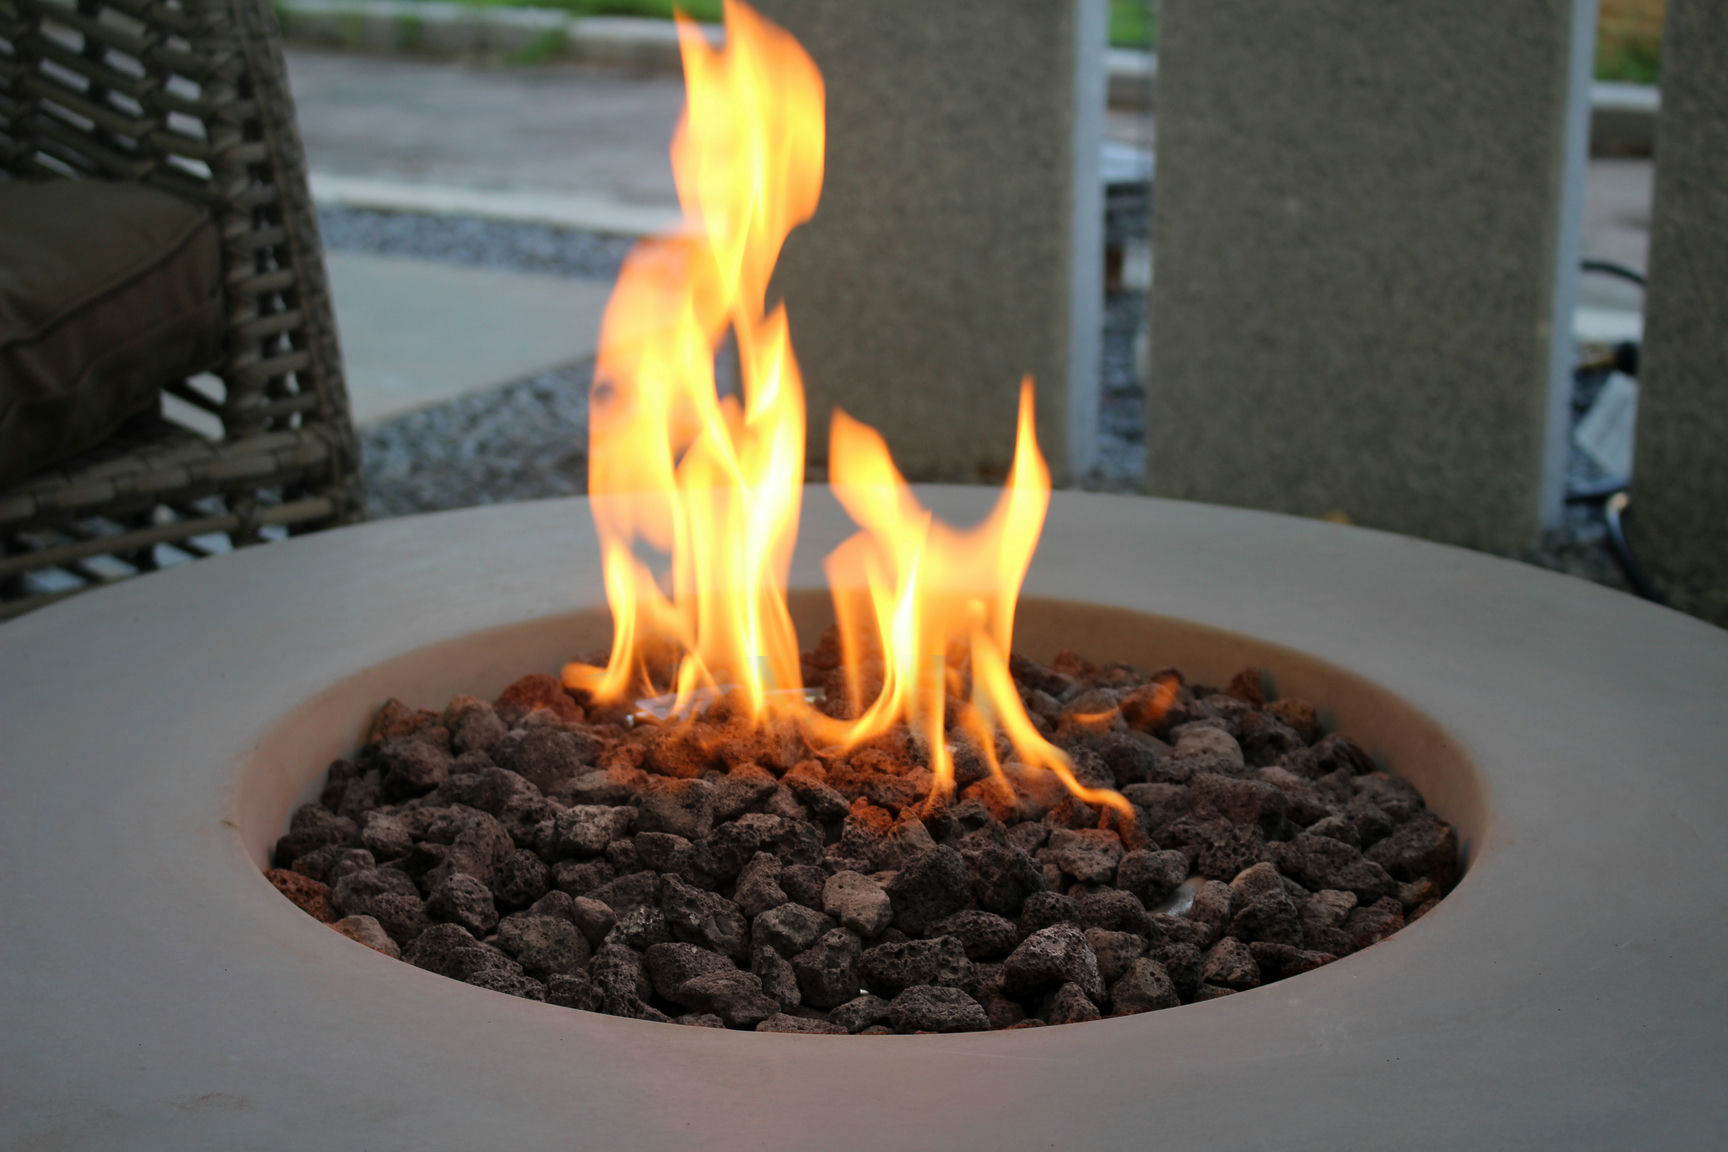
(155, 992)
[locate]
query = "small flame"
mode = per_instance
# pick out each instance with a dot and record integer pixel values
(708, 487)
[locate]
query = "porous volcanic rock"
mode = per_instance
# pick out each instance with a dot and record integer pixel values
(707, 874)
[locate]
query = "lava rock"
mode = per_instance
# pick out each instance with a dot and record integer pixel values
(1056, 955)
(1113, 909)
(366, 930)
(1279, 961)
(1231, 965)
(1043, 909)
(804, 884)
(1183, 963)
(593, 918)
(1151, 876)
(546, 756)
(582, 877)
(449, 950)
(932, 886)
(778, 977)
(1422, 848)
(790, 928)
(682, 807)
(1069, 1004)
(310, 896)
(783, 1022)
(931, 1009)
(313, 827)
(983, 935)
(411, 767)
(758, 887)
(705, 918)
(1004, 875)
(670, 966)
(1320, 862)
(1115, 951)
(733, 995)
(828, 970)
(1088, 856)
(1374, 923)
(889, 969)
(387, 896)
(858, 903)
(521, 879)
(640, 928)
(461, 899)
(626, 892)
(585, 830)
(1206, 742)
(1241, 801)
(576, 991)
(386, 836)
(856, 1015)
(545, 946)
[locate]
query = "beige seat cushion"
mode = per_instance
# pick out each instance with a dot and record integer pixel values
(107, 292)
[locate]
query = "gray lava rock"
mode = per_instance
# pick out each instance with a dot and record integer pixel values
(473, 724)
(1070, 1005)
(682, 807)
(858, 902)
(449, 950)
(478, 842)
(1144, 987)
(313, 827)
(620, 972)
(790, 928)
(1089, 856)
(581, 877)
(1422, 848)
(1115, 951)
(705, 918)
(411, 767)
(575, 991)
(640, 928)
(1374, 923)
(1151, 876)
(545, 946)
(782, 1022)
(778, 977)
(1200, 741)
(1115, 910)
(929, 1009)
(700, 1020)
(461, 899)
(984, 935)
(594, 918)
(627, 892)
(930, 887)
(546, 755)
(1043, 909)
(1003, 875)
(856, 1015)
(804, 884)
(734, 996)
(387, 896)
(889, 969)
(521, 879)
(758, 887)
(1320, 862)
(587, 830)
(828, 969)
(1231, 965)
(386, 835)
(1050, 956)
(366, 930)
(1183, 963)
(672, 965)
(745, 789)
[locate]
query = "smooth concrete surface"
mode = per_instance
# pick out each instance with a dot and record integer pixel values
(1364, 243)
(420, 332)
(1679, 520)
(943, 264)
(156, 993)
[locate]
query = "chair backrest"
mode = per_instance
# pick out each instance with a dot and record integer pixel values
(191, 96)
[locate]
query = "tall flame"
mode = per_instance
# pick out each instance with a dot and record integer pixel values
(708, 487)
(707, 482)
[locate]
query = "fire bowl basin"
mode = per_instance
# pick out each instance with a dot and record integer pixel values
(156, 992)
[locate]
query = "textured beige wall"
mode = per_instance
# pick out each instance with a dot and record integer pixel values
(1679, 519)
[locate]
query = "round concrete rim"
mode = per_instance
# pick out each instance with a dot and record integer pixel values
(157, 994)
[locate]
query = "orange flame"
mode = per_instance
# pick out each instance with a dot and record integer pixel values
(709, 487)
(709, 482)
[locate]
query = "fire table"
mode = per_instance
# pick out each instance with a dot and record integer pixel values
(158, 993)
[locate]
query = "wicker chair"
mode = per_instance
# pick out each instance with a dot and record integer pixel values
(189, 96)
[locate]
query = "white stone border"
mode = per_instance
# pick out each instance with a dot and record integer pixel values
(156, 993)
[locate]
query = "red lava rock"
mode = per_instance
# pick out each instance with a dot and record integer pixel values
(538, 690)
(310, 896)
(1248, 687)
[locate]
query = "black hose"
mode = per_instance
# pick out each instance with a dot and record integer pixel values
(1609, 268)
(1613, 513)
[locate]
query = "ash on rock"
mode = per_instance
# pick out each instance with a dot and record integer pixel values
(711, 874)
